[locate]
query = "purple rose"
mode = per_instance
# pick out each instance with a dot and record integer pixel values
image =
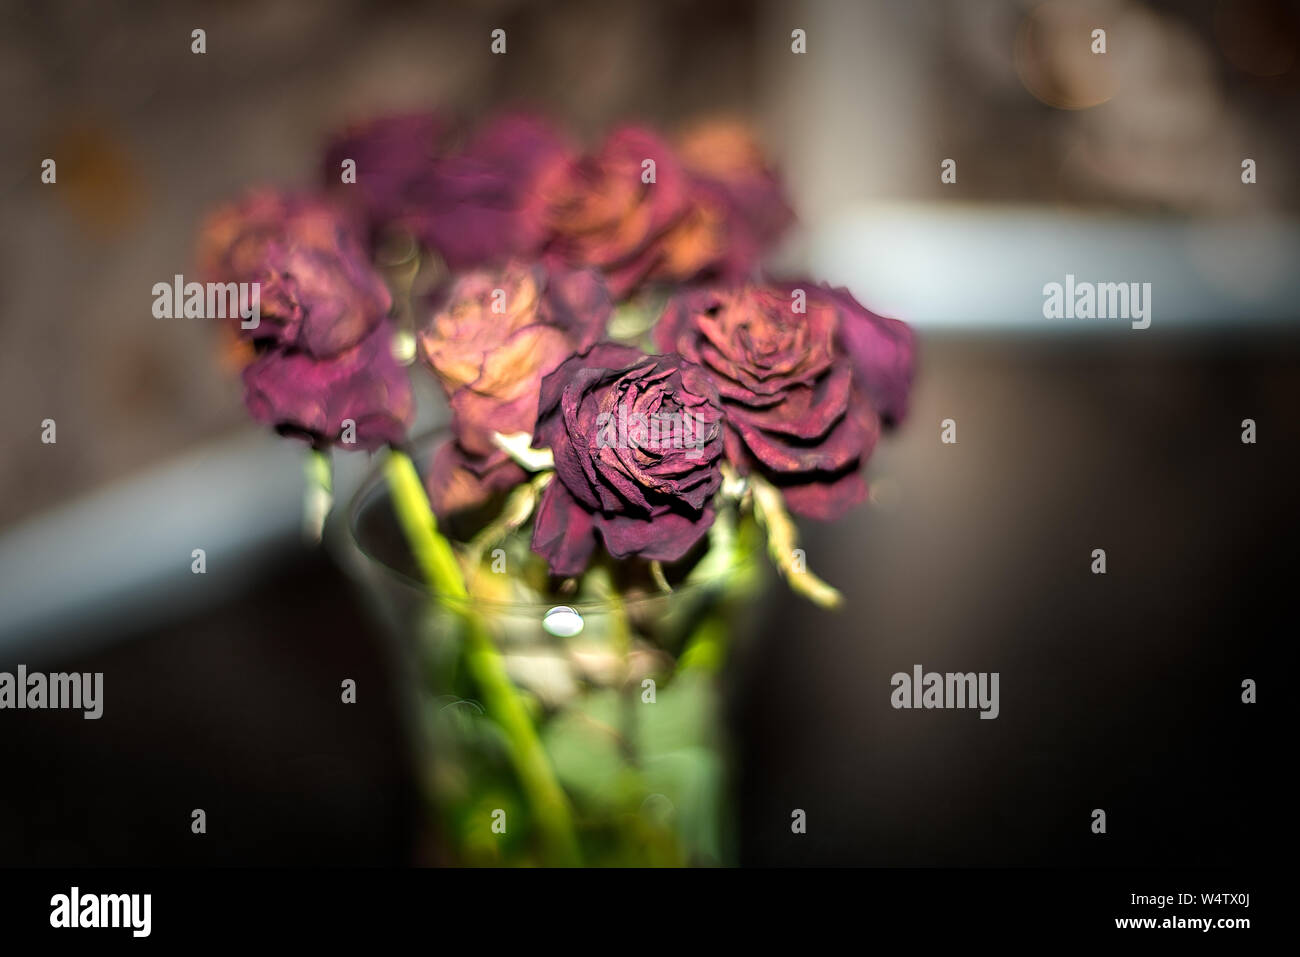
(396, 160)
(319, 301)
(318, 292)
(480, 208)
(637, 441)
(793, 412)
(473, 204)
(360, 398)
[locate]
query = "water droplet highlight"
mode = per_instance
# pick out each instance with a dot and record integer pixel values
(562, 621)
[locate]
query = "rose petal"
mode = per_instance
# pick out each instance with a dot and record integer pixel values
(666, 537)
(458, 480)
(825, 497)
(563, 532)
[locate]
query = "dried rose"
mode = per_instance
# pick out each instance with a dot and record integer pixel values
(736, 211)
(473, 204)
(637, 441)
(481, 207)
(396, 160)
(490, 343)
(792, 410)
(497, 333)
(603, 213)
(359, 398)
(318, 292)
(727, 153)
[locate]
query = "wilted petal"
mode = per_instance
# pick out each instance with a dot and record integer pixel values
(828, 498)
(459, 480)
(563, 532)
(481, 207)
(665, 537)
(600, 211)
(883, 351)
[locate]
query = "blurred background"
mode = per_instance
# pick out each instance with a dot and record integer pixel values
(1120, 692)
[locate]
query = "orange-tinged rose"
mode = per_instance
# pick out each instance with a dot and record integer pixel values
(490, 343)
(724, 149)
(318, 290)
(602, 213)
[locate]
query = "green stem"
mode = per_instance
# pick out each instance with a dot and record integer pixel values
(621, 634)
(783, 542)
(442, 571)
(317, 494)
(706, 648)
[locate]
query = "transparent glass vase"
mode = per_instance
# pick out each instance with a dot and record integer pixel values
(604, 742)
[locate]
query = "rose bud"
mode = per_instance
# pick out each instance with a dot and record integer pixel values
(360, 398)
(602, 213)
(792, 410)
(318, 292)
(637, 441)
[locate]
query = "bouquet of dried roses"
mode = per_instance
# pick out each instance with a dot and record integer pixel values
(634, 418)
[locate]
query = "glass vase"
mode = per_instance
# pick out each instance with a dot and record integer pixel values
(574, 722)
